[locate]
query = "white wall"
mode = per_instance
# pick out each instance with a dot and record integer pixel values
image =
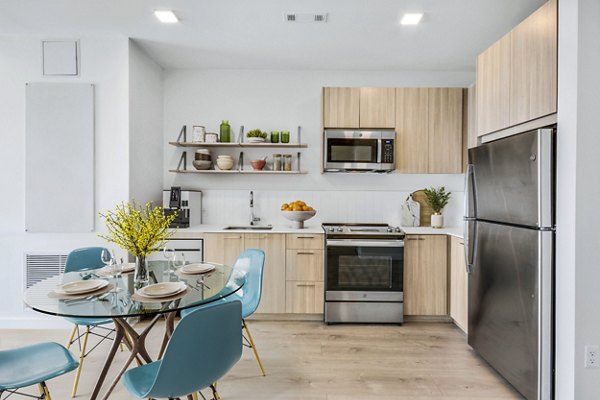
(104, 63)
(283, 100)
(145, 127)
(578, 271)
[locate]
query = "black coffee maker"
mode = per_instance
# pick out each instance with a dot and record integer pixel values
(186, 203)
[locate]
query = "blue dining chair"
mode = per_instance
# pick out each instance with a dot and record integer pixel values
(33, 365)
(251, 263)
(203, 348)
(79, 260)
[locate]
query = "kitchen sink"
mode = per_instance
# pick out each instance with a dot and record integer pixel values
(248, 228)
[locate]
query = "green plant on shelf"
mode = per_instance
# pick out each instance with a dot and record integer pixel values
(256, 133)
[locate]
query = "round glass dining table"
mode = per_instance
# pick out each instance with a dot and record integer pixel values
(121, 302)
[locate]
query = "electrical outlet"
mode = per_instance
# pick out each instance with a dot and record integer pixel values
(592, 356)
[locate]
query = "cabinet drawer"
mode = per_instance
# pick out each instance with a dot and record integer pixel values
(304, 265)
(304, 297)
(304, 241)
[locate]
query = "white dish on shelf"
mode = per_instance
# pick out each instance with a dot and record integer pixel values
(163, 289)
(255, 140)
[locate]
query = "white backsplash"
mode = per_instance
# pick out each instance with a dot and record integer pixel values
(231, 207)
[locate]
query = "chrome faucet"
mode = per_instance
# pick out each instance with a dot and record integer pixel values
(253, 218)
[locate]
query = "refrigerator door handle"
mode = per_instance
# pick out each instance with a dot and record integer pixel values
(470, 244)
(469, 202)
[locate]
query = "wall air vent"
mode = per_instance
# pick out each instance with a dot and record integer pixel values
(40, 266)
(305, 17)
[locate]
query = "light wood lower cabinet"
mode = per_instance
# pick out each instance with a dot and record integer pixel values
(223, 248)
(426, 275)
(304, 265)
(459, 281)
(273, 285)
(304, 297)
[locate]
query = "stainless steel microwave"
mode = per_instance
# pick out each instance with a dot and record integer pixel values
(359, 150)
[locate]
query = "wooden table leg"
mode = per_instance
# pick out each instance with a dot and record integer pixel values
(119, 333)
(169, 328)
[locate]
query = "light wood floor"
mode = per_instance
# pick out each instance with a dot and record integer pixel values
(310, 360)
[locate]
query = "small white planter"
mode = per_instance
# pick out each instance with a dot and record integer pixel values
(437, 220)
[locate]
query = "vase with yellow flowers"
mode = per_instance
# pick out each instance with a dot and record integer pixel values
(139, 229)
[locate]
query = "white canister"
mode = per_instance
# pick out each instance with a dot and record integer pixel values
(198, 133)
(437, 220)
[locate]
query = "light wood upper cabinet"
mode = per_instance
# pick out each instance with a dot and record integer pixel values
(341, 107)
(377, 107)
(273, 284)
(493, 87)
(445, 130)
(426, 275)
(533, 79)
(459, 291)
(471, 118)
(412, 130)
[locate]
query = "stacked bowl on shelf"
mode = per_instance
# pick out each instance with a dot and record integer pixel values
(224, 162)
(202, 159)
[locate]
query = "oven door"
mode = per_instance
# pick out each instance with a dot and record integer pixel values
(360, 150)
(364, 270)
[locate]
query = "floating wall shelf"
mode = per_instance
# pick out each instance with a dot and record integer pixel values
(237, 145)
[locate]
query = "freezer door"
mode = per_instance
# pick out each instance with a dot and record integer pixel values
(510, 305)
(513, 179)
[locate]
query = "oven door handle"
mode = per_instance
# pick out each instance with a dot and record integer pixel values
(364, 243)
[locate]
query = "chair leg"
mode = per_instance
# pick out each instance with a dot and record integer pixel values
(81, 357)
(215, 393)
(44, 391)
(70, 342)
(245, 326)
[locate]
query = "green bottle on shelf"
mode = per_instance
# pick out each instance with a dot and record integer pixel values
(225, 132)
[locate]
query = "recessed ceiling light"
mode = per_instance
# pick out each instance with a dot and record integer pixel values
(411, 19)
(166, 16)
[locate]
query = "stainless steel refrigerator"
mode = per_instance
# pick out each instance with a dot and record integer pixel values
(509, 244)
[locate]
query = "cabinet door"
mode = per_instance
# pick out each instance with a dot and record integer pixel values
(471, 119)
(412, 130)
(273, 285)
(222, 248)
(304, 265)
(341, 107)
(425, 275)
(533, 78)
(493, 87)
(445, 130)
(377, 107)
(459, 291)
(304, 297)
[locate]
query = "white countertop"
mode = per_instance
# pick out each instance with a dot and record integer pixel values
(310, 229)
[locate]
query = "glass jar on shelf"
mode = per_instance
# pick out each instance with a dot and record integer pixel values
(277, 162)
(285, 136)
(275, 137)
(287, 162)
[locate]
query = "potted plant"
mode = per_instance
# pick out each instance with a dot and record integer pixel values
(437, 199)
(256, 136)
(141, 230)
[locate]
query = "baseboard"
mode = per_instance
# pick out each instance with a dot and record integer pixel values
(34, 323)
(286, 317)
(427, 318)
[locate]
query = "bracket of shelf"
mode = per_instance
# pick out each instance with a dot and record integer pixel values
(182, 132)
(182, 160)
(241, 161)
(298, 160)
(299, 135)
(241, 135)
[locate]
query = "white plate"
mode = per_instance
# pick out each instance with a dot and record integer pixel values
(196, 268)
(163, 289)
(128, 267)
(255, 140)
(77, 287)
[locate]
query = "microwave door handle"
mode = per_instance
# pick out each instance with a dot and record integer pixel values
(379, 145)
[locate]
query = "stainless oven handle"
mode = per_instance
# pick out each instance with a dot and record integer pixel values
(364, 243)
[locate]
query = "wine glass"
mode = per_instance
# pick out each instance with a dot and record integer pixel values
(107, 257)
(170, 255)
(116, 270)
(179, 261)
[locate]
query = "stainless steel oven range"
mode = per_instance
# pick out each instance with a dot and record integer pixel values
(364, 267)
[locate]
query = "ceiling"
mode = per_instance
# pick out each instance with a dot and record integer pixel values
(360, 34)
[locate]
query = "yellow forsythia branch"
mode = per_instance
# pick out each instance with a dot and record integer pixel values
(140, 230)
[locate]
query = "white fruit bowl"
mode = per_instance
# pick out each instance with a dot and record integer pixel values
(298, 217)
